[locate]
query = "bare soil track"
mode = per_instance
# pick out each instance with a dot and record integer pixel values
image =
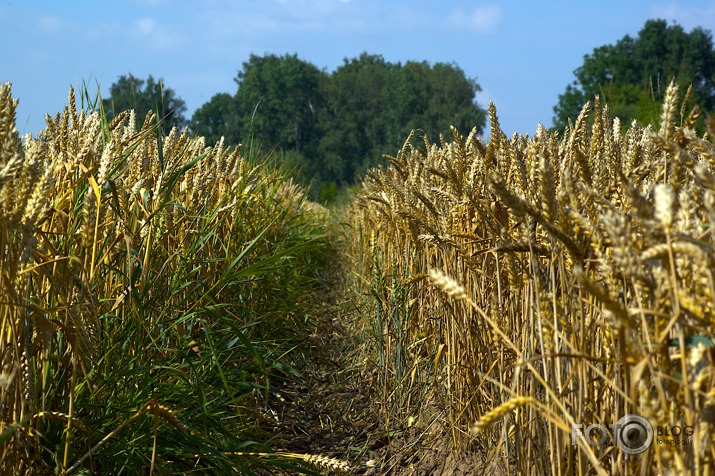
(332, 410)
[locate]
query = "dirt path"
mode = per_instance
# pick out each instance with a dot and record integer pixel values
(328, 411)
(333, 413)
(332, 409)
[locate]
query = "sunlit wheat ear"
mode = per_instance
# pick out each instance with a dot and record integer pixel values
(170, 417)
(38, 202)
(59, 416)
(670, 107)
(447, 284)
(9, 137)
(664, 201)
(89, 217)
(319, 461)
(507, 407)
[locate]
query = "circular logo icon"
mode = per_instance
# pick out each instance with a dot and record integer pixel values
(634, 434)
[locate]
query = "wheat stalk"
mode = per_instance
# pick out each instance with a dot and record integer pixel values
(318, 460)
(505, 408)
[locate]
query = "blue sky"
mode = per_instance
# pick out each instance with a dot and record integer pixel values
(521, 53)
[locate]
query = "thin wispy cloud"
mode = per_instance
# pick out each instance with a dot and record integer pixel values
(308, 12)
(52, 24)
(158, 37)
(150, 3)
(284, 16)
(686, 16)
(146, 25)
(339, 17)
(483, 19)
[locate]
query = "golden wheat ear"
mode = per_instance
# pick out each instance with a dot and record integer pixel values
(317, 460)
(507, 407)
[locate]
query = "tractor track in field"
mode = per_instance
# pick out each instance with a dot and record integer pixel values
(332, 410)
(329, 410)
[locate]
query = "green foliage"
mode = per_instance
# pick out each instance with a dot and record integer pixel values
(333, 127)
(433, 98)
(353, 125)
(632, 75)
(329, 192)
(374, 104)
(277, 101)
(215, 119)
(169, 284)
(143, 96)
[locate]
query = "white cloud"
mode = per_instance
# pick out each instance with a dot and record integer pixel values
(157, 35)
(148, 3)
(287, 16)
(51, 24)
(483, 19)
(686, 16)
(146, 25)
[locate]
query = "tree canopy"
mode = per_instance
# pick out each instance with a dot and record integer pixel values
(632, 75)
(372, 105)
(334, 126)
(217, 118)
(278, 99)
(142, 95)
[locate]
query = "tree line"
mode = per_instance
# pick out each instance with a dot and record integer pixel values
(632, 75)
(331, 127)
(327, 127)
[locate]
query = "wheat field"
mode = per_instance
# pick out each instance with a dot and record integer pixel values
(150, 286)
(529, 284)
(515, 290)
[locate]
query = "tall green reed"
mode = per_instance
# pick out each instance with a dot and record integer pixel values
(150, 288)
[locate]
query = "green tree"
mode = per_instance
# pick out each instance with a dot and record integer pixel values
(141, 95)
(372, 105)
(277, 102)
(632, 75)
(217, 118)
(433, 98)
(353, 128)
(329, 128)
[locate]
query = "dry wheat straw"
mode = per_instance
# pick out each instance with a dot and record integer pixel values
(318, 460)
(507, 407)
(90, 227)
(581, 256)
